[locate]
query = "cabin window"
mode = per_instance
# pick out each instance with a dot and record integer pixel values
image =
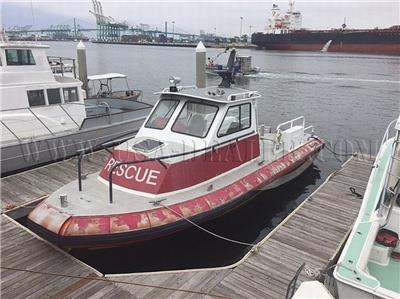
(36, 98)
(53, 95)
(70, 94)
(19, 57)
(236, 119)
(195, 119)
(161, 115)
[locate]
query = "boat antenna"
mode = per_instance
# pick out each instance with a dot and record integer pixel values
(344, 24)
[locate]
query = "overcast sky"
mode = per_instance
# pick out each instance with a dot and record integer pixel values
(192, 16)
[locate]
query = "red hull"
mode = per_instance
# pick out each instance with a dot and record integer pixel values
(76, 231)
(382, 49)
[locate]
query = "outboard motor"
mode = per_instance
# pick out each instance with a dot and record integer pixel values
(227, 74)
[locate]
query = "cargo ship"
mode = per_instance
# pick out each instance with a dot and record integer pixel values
(285, 32)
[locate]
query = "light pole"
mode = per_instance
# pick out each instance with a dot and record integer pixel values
(249, 34)
(241, 23)
(215, 31)
(173, 30)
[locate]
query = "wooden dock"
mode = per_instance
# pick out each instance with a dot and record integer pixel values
(31, 267)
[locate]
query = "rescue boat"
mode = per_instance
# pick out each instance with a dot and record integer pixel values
(200, 153)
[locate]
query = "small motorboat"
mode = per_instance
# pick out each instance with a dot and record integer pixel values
(242, 64)
(102, 87)
(201, 153)
(369, 264)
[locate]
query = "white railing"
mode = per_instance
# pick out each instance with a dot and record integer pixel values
(387, 135)
(292, 123)
(243, 95)
(392, 180)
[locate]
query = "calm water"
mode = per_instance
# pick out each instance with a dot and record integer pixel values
(349, 99)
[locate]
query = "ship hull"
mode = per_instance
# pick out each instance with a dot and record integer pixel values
(52, 224)
(122, 239)
(385, 42)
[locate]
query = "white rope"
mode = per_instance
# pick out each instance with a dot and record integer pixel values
(254, 246)
(312, 273)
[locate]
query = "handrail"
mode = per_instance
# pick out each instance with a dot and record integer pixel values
(9, 130)
(64, 104)
(293, 282)
(386, 135)
(61, 66)
(291, 122)
(393, 192)
(48, 129)
(116, 113)
(108, 109)
(158, 159)
(244, 95)
(66, 112)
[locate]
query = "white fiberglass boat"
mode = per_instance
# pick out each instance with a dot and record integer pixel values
(369, 265)
(102, 87)
(200, 154)
(44, 116)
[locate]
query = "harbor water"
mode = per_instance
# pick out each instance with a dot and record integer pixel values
(349, 99)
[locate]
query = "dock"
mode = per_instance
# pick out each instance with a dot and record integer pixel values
(312, 233)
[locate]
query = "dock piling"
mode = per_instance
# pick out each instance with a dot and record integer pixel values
(82, 66)
(200, 65)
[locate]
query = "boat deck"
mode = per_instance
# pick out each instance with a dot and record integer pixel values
(312, 233)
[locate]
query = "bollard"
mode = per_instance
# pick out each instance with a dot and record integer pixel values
(200, 65)
(82, 66)
(63, 200)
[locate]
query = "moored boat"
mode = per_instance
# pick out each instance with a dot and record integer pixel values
(369, 264)
(241, 65)
(102, 87)
(45, 117)
(200, 154)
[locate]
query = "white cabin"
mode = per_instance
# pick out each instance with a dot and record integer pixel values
(34, 101)
(200, 118)
(282, 24)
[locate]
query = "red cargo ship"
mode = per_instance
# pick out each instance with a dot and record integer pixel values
(284, 32)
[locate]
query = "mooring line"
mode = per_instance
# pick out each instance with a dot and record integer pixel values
(254, 246)
(115, 281)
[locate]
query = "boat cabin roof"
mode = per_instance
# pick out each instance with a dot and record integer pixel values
(106, 76)
(24, 45)
(213, 93)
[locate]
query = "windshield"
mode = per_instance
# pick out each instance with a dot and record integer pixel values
(195, 119)
(161, 115)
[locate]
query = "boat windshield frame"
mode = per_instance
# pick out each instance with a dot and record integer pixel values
(150, 119)
(204, 103)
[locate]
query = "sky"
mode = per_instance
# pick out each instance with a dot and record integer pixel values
(222, 17)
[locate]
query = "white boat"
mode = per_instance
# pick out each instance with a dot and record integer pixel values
(201, 153)
(44, 116)
(369, 265)
(102, 87)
